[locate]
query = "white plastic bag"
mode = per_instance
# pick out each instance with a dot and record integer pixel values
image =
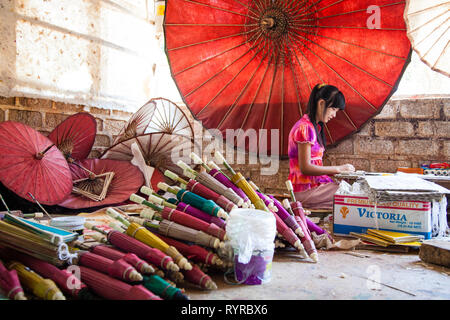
(250, 230)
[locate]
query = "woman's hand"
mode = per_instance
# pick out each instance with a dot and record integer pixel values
(346, 168)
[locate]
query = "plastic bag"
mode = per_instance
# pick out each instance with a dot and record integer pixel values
(251, 234)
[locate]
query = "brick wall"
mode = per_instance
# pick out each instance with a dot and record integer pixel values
(406, 133)
(45, 115)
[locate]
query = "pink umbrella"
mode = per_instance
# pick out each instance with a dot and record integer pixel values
(62, 278)
(9, 282)
(286, 217)
(127, 179)
(199, 278)
(143, 251)
(297, 208)
(288, 234)
(75, 136)
(113, 254)
(219, 176)
(183, 207)
(113, 289)
(118, 269)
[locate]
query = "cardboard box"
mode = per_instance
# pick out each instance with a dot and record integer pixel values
(357, 214)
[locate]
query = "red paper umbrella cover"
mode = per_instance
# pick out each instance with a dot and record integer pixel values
(127, 179)
(252, 64)
(75, 136)
(31, 163)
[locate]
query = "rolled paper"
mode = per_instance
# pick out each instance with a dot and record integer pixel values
(42, 288)
(142, 234)
(62, 278)
(9, 282)
(143, 251)
(307, 241)
(116, 215)
(207, 193)
(201, 203)
(289, 235)
(108, 252)
(286, 217)
(184, 207)
(193, 222)
(194, 252)
(118, 269)
(239, 180)
(219, 176)
(210, 182)
(199, 278)
(163, 288)
(178, 231)
(113, 289)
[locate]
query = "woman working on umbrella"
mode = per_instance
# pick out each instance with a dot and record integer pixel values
(312, 185)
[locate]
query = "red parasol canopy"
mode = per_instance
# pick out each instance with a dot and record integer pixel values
(252, 64)
(127, 180)
(30, 163)
(75, 136)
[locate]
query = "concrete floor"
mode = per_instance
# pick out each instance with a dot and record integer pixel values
(339, 275)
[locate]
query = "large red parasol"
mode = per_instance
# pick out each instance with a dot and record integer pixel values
(244, 64)
(126, 180)
(31, 163)
(75, 136)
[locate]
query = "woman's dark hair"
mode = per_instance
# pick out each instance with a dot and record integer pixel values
(333, 99)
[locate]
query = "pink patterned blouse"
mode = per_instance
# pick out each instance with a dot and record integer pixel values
(303, 132)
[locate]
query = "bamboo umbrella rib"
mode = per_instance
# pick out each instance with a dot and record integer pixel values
(429, 21)
(257, 91)
(296, 86)
(346, 82)
(429, 8)
(229, 82)
(352, 64)
(312, 5)
(441, 55)
(240, 95)
(219, 72)
(210, 25)
(282, 111)
(350, 27)
(218, 8)
(428, 35)
(249, 8)
(359, 10)
(270, 90)
(212, 40)
(352, 44)
(259, 5)
(312, 66)
(214, 56)
(298, 4)
(437, 40)
(328, 131)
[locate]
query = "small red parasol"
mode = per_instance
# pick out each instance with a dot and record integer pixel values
(126, 180)
(31, 163)
(75, 136)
